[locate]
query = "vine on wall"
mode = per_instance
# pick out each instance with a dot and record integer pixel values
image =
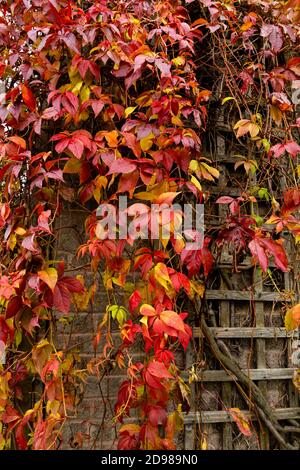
(111, 98)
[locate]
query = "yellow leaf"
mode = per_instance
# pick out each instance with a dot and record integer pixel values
(163, 278)
(203, 443)
(154, 191)
(274, 219)
(147, 142)
(176, 121)
(247, 25)
(228, 98)
(52, 408)
(145, 99)
(179, 244)
(118, 313)
(12, 241)
(130, 428)
(207, 172)
(76, 89)
(203, 170)
(129, 110)
(20, 231)
(198, 288)
(85, 93)
(254, 129)
(178, 61)
(193, 166)
(49, 276)
(144, 320)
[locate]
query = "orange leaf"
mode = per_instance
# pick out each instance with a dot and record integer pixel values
(147, 310)
(173, 320)
(28, 97)
(16, 139)
(111, 138)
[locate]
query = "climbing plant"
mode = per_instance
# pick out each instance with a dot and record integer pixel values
(105, 99)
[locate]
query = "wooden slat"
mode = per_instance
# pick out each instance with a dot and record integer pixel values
(236, 333)
(211, 417)
(242, 295)
(254, 374)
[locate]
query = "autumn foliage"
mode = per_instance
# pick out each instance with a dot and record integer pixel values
(110, 98)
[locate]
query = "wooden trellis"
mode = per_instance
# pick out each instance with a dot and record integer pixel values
(212, 424)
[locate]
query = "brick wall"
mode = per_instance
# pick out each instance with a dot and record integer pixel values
(75, 332)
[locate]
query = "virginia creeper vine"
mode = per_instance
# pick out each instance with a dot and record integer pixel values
(108, 98)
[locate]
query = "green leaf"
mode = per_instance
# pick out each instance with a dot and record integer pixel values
(118, 313)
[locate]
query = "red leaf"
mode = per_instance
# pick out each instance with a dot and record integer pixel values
(121, 166)
(72, 284)
(159, 370)
(61, 298)
(129, 437)
(43, 220)
(291, 201)
(259, 254)
(195, 259)
(76, 147)
(70, 102)
(10, 415)
(292, 148)
(13, 307)
(225, 200)
(71, 41)
(134, 300)
(128, 182)
(156, 415)
(274, 35)
(262, 248)
(6, 332)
